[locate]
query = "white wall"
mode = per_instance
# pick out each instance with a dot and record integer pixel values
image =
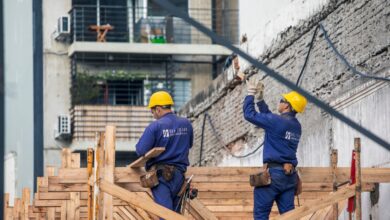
(263, 20)
(369, 110)
(18, 53)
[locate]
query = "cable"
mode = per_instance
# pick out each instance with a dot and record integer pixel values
(307, 56)
(275, 75)
(201, 140)
(224, 145)
(344, 60)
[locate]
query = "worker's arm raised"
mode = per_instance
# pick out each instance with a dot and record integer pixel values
(263, 120)
(263, 107)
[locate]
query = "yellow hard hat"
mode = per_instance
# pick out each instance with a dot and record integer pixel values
(160, 98)
(297, 101)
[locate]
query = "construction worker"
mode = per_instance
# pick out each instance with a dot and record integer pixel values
(175, 134)
(282, 135)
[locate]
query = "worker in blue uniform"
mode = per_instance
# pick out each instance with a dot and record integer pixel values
(173, 133)
(282, 135)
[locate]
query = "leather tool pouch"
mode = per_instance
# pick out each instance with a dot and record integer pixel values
(167, 172)
(260, 179)
(298, 187)
(183, 188)
(150, 179)
(288, 168)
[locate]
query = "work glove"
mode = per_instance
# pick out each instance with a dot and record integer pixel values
(250, 88)
(256, 90)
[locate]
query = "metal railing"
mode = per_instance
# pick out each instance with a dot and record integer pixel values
(129, 120)
(139, 25)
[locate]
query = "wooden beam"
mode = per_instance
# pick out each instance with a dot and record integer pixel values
(75, 160)
(109, 167)
(25, 203)
(200, 209)
(90, 187)
(6, 214)
(317, 204)
(17, 208)
(140, 162)
(358, 197)
(334, 160)
(66, 159)
(140, 202)
(50, 170)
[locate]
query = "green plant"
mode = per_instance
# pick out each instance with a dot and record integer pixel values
(86, 86)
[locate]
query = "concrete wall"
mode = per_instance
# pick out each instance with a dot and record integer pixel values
(56, 77)
(360, 31)
(19, 127)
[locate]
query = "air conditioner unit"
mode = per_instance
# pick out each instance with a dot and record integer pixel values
(63, 131)
(63, 28)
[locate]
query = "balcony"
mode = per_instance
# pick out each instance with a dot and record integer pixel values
(139, 30)
(129, 120)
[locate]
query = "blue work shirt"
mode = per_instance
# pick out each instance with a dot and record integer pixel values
(282, 132)
(172, 132)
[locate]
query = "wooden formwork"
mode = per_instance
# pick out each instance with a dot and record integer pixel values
(102, 191)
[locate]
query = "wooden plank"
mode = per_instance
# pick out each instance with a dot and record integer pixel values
(25, 203)
(6, 214)
(63, 210)
(334, 160)
(51, 214)
(135, 200)
(90, 187)
(50, 170)
(109, 166)
(140, 162)
(141, 212)
(358, 196)
(320, 203)
(201, 210)
(66, 158)
(130, 213)
(75, 160)
(17, 208)
(99, 174)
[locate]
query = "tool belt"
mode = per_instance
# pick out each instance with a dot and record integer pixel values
(288, 168)
(150, 179)
(261, 179)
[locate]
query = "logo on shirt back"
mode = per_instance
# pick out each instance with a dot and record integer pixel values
(292, 136)
(165, 133)
(174, 132)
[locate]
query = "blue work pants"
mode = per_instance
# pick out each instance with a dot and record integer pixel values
(281, 190)
(165, 193)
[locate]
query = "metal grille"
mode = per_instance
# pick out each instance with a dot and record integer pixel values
(139, 24)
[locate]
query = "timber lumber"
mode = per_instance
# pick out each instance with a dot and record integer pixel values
(140, 162)
(109, 166)
(224, 192)
(196, 206)
(320, 203)
(133, 199)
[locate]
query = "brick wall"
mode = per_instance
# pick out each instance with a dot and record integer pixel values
(360, 30)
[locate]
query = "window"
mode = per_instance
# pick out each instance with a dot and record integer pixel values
(181, 90)
(155, 10)
(121, 92)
